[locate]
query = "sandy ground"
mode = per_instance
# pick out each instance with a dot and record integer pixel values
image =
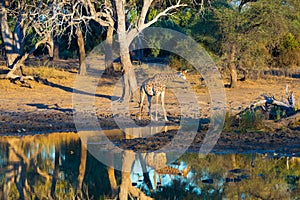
(48, 106)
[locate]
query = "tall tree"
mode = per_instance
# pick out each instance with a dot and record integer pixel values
(229, 22)
(127, 34)
(254, 32)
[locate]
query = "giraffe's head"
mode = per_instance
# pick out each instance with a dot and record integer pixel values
(182, 74)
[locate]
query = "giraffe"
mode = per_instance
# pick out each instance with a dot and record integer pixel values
(156, 86)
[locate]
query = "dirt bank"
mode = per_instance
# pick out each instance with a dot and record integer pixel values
(48, 107)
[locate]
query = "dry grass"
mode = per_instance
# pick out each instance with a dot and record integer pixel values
(46, 72)
(16, 99)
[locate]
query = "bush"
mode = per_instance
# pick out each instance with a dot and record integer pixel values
(229, 122)
(251, 120)
(179, 64)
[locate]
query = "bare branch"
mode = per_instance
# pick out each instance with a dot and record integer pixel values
(104, 17)
(145, 9)
(142, 25)
(163, 13)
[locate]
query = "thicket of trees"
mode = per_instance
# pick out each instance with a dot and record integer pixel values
(239, 34)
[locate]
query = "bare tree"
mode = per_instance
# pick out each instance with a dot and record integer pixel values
(18, 19)
(105, 17)
(79, 13)
(47, 20)
(126, 36)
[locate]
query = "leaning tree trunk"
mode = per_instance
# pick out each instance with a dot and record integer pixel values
(12, 47)
(13, 43)
(80, 42)
(109, 69)
(232, 67)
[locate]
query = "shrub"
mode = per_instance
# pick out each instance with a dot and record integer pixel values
(251, 120)
(179, 63)
(229, 122)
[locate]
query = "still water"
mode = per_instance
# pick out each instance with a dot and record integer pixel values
(59, 166)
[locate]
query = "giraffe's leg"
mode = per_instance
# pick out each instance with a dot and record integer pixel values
(142, 97)
(149, 106)
(156, 106)
(163, 105)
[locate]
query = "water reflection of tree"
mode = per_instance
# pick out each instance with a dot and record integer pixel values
(42, 166)
(58, 166)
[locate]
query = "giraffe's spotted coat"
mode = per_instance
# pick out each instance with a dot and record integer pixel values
(156, 86)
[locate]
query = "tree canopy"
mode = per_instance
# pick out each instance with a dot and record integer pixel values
(249, 34)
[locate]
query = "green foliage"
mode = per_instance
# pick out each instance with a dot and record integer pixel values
(155, 43)
(247, 122)
(287, 52)
(276, 113)
(179, 64)
(184, 17)
(289, 42)
(66, 54)
(152, 14)
(155, 39)
(265, 33)
(251, 121)
(229, 122)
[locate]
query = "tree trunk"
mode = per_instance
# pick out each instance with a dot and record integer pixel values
(56, 49)
(50, 47)
(232, 67)
(10, 45)
(130, 84)
(80, 42)
(9, 178)
(20, 180)
(109, 69)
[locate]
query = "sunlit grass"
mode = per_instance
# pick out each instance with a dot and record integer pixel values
(46, 72)
(247, 121)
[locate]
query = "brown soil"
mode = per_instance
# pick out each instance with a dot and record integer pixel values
(47, 107)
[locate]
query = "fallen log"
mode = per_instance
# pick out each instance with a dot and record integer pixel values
(265, 105)
(14, 78)
(291, 119)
